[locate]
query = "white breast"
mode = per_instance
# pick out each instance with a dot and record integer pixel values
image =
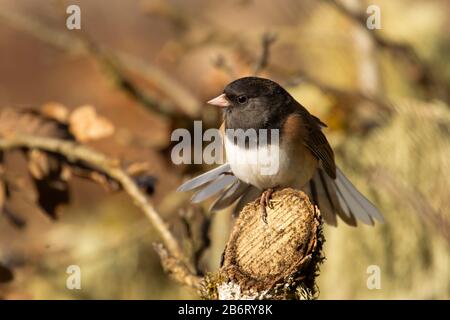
(271, 166)
(263, 167)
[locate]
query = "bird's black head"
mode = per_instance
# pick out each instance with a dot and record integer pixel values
(253, 102)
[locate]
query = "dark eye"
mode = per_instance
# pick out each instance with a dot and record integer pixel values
(242, 99)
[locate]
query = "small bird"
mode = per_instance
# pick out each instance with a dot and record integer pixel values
(305, 160)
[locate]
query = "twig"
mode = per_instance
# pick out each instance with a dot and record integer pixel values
(197, 225)
(426, 77)
(113, 66)
(376, 99)
(266, 42)
(181, 96)
(74, 152)
(116, 64)
(261, 62)
(178, 271)
(222, 64)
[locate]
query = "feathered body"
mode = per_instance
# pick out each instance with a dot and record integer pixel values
(301, 154)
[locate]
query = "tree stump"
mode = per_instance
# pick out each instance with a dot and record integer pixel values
(277, 260)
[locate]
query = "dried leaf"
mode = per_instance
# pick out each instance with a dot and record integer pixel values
(66, 172)
(38, 164)
(27, 121)
(86, 125)
(49, 177)
(103, 180)
(51, 194)
(6, 275)
(50, 172)
(85, 172)
(56, 111)
(138, 168)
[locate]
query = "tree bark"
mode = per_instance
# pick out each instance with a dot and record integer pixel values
(277, 260)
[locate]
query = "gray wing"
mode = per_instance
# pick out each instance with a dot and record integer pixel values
(204, 178)
(221, 179)
(213, 188)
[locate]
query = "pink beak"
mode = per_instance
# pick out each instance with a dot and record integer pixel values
(220, 101)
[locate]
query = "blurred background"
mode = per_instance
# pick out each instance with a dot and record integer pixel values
(139, 69)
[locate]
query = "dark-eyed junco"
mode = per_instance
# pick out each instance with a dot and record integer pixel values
(304, 158)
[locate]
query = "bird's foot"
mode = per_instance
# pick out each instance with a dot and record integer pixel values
(264, 202)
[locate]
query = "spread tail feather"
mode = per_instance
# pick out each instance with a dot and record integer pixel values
(204, 178)
(214, 187)
(334, 197)
(230, 195)
(221, 179)
(361, 203)
(340, 197)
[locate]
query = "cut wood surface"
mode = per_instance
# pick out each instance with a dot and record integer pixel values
(277, 260)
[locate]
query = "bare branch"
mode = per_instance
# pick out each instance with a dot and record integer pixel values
(74, 152)
(375, 99)
(116, 64)
(222, 64)
(424, 73)
(178, 271)
(266, 42)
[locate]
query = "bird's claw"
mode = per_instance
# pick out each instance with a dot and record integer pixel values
(263, 214)
(265, 202)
